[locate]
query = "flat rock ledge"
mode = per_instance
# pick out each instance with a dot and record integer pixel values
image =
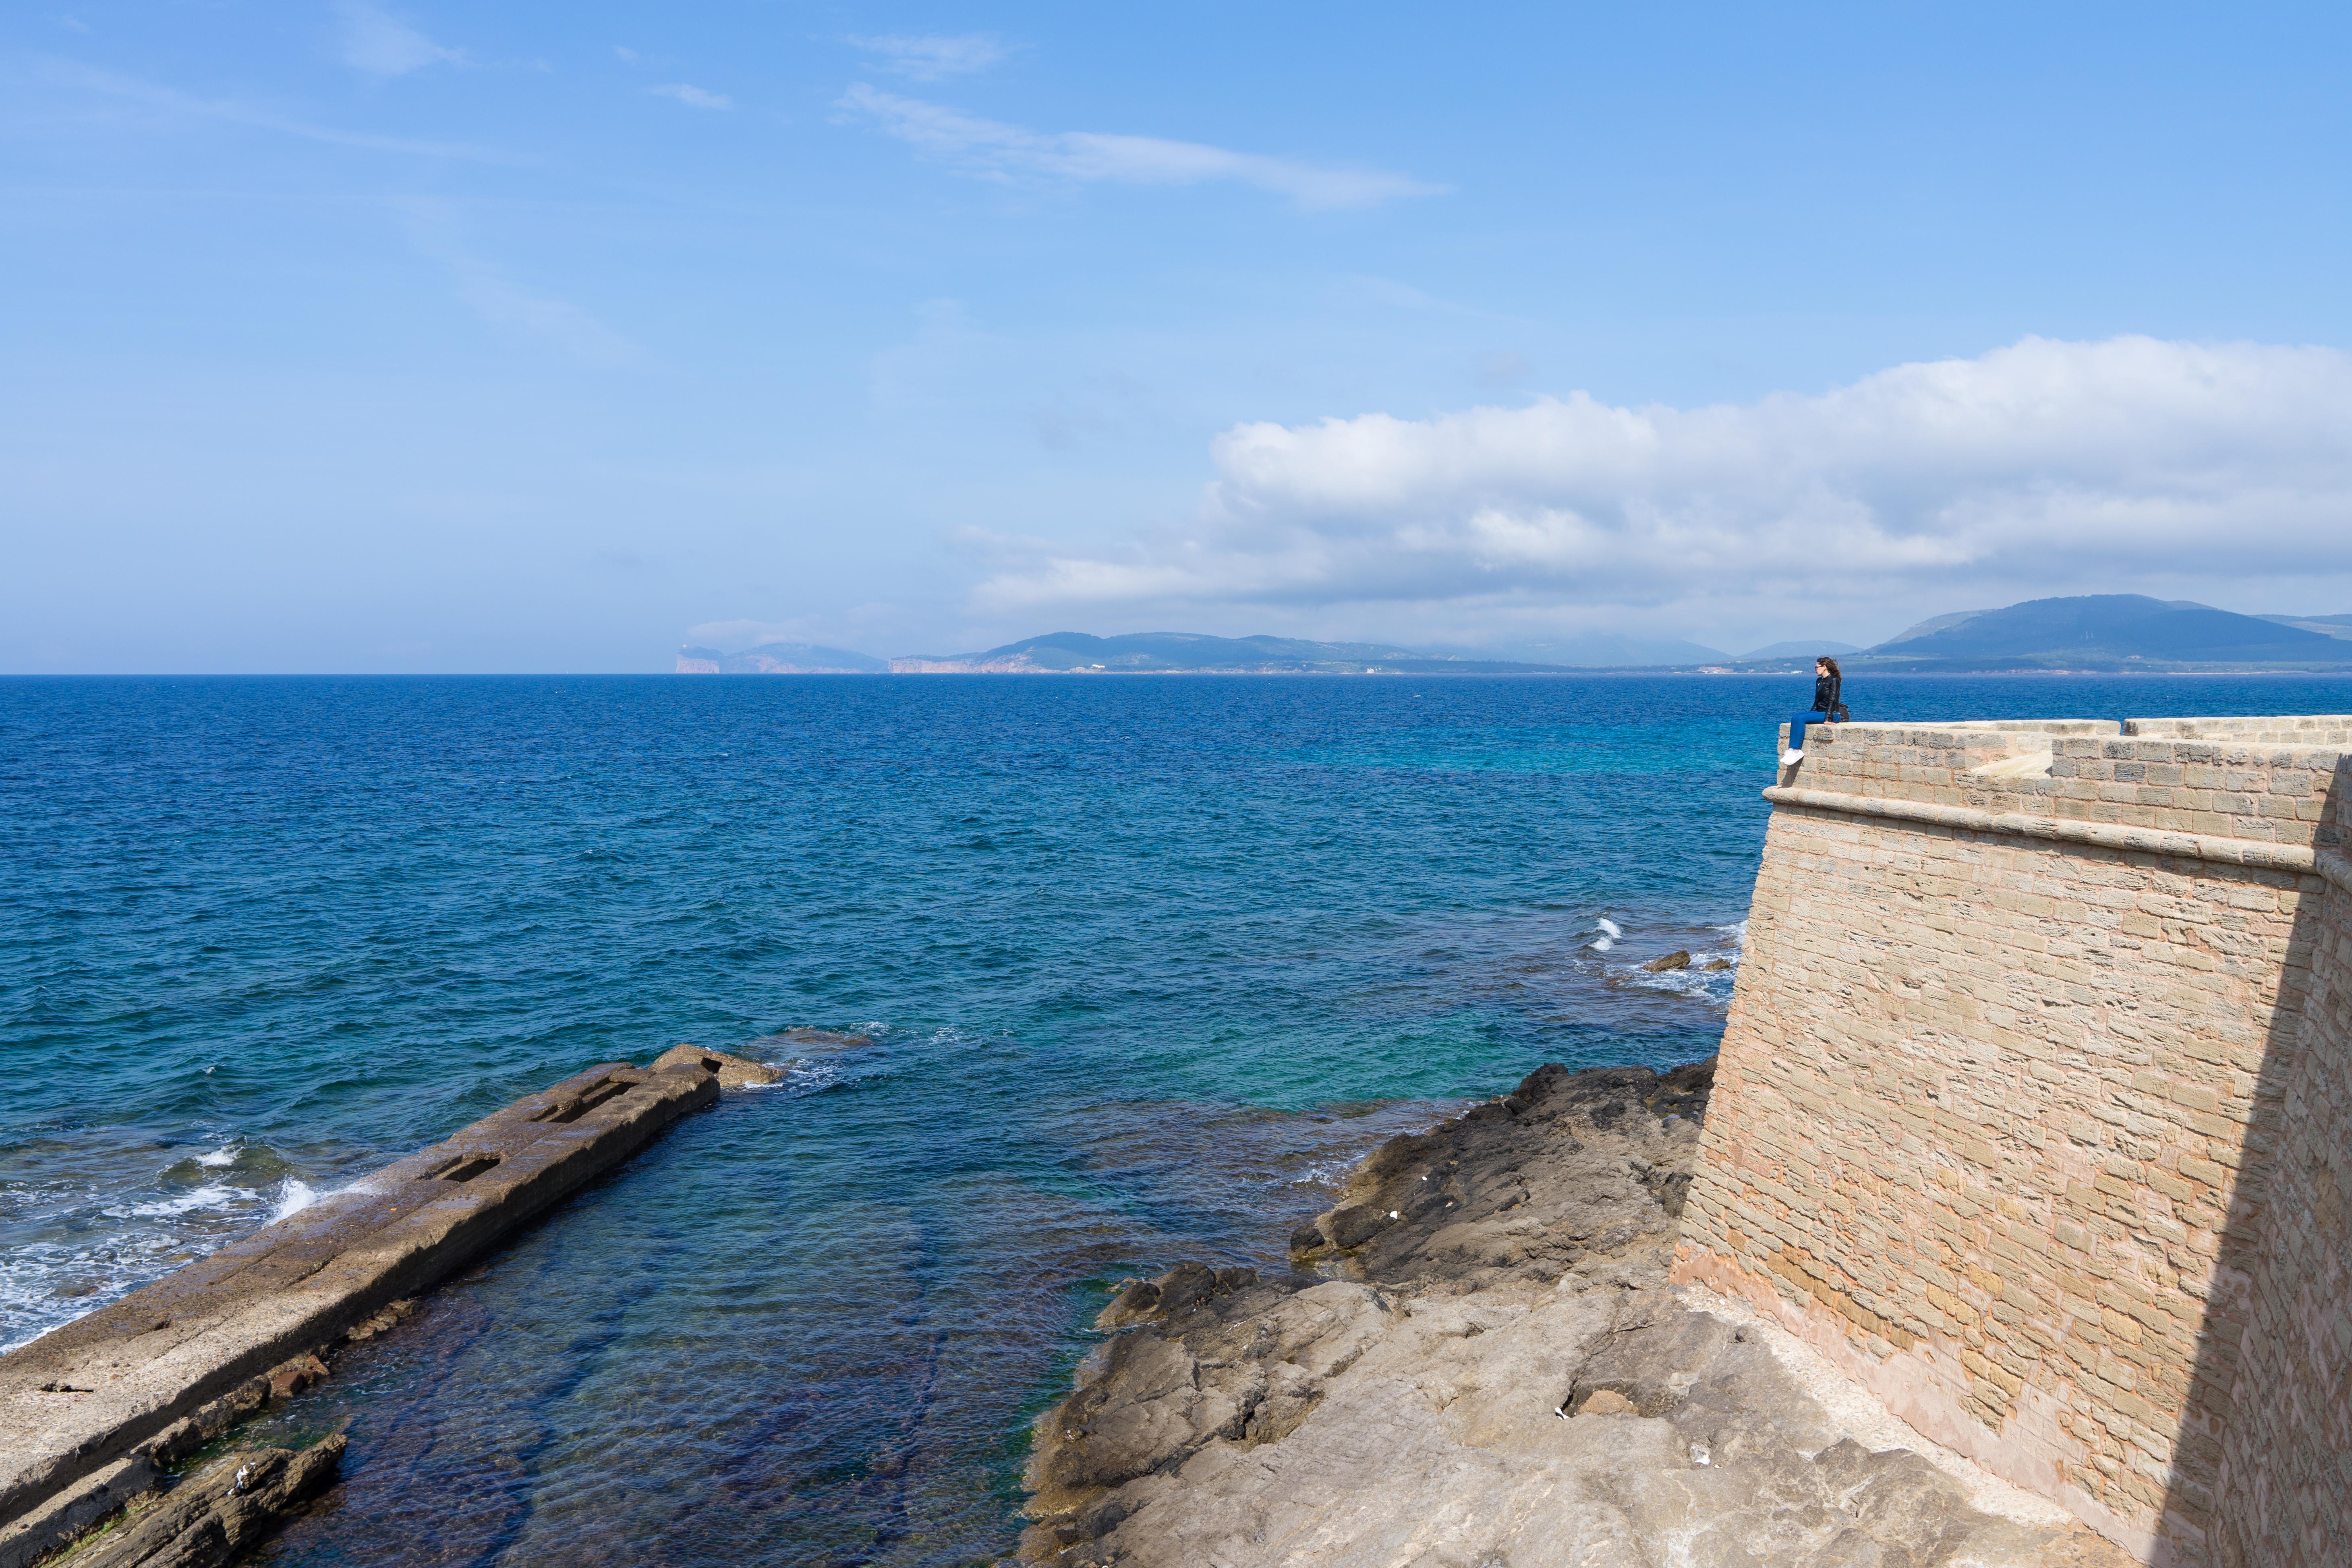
(218, 1513)
(1477, 1361)
(94, 1414)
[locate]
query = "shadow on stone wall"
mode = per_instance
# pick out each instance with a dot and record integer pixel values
(2260, 1458)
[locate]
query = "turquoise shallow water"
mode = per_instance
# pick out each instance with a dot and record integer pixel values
(1142, 961)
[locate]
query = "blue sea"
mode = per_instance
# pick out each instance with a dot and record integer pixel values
(1140, 965)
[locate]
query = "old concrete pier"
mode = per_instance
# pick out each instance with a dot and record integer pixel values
(89, 1412)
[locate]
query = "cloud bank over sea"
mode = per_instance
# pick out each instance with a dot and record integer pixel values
(2044, 466)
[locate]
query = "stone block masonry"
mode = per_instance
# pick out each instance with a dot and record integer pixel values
(2033, 1107)
(87, 1411)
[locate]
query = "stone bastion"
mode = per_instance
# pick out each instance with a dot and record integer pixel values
(2034, 1110)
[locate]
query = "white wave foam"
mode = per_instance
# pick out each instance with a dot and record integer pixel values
(1601, 944)
(211, 1196)
(810, 1076)
(1332, 1173)
(134, 1239)
(293, 1197)
(1608, 928)
(1701, 984)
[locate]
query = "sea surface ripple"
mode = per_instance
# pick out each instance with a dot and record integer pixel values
(1141, 964)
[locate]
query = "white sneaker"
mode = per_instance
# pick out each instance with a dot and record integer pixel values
(1791, 759)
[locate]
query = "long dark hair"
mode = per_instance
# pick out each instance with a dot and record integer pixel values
(1835, 673)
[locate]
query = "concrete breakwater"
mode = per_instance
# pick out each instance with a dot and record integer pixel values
(93, 1413)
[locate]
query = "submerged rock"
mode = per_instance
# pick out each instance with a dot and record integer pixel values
(817, 1039)
(1678, 959)
(1486, 1365)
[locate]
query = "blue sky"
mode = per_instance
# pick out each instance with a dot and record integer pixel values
(348, 337)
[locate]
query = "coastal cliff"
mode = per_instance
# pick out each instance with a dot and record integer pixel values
(1477, 1360)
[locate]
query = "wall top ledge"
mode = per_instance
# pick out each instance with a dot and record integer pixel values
(2254, 785)
(2027, 726)
(2218, 849)
(2289, 729)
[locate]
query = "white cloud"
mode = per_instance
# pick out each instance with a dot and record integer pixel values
(381, 44)
(856, 627)
(170, 105)
(489, 293)
(558, 323)
(693, 97)
(2059, 466)
(932, 56)
(995, 150)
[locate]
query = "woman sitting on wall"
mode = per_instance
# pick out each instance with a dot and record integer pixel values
(1826, 682)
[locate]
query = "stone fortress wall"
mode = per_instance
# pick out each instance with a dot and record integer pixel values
(2035, 1104)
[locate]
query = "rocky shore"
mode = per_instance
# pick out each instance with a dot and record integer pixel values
(1477, 1361)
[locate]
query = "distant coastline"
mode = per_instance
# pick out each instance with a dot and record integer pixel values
(1145, 653)
(2097, 634)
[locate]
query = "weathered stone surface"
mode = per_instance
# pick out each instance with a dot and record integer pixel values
(163, 1369)
(1502, 1376)
(733, 1072)
(1678, 959)
(1569, 1166)
(66, 1514)
(2282, 1485)
(218, 1513)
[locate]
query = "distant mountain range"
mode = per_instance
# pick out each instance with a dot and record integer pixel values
(2113, 632)
(2089, 632)
(2326, 625)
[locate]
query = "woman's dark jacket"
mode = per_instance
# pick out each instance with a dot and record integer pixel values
(1825, 694)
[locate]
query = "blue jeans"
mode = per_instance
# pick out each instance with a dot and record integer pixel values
(1797, 728)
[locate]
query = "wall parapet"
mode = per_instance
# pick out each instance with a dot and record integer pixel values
(2213, 787)
(2300, 729)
